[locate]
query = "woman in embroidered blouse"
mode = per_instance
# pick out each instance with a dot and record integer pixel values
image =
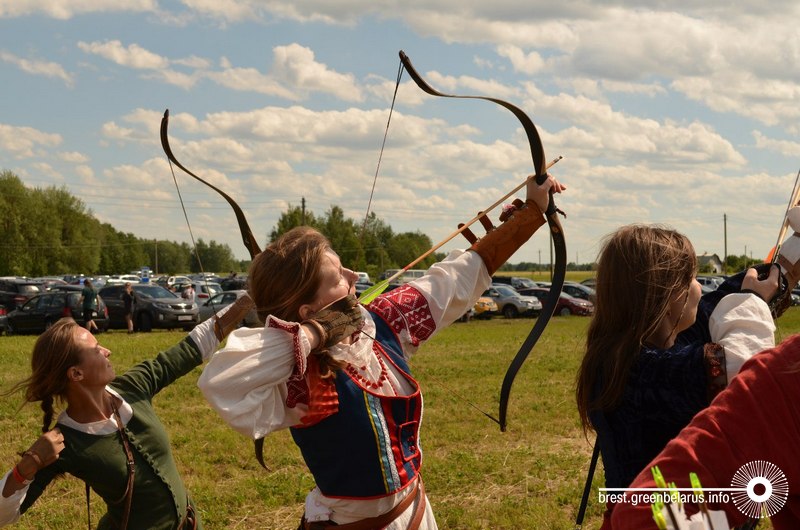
(108, 419)
(349, 399)
(656, 352)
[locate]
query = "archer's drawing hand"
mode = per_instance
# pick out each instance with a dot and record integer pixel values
(336, 322)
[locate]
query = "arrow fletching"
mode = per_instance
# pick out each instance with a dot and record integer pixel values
(372, 293)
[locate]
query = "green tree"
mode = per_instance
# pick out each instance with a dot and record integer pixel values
(292, 218)
(374, 240)
(168, 257)
(404, 248)
(342, 234)
(14, 201)
(214, 257)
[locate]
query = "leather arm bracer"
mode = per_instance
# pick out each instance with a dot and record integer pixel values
(500, 243)
(231, 318)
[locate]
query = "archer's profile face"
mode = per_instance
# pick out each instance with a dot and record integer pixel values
(337, 282)
(95, 366)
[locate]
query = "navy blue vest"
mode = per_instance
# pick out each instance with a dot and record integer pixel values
(370, 447)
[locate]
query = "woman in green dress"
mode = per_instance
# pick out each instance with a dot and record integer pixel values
(108, 434)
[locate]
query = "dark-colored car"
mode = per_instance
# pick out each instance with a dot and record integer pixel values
(233, 284)
(362, 286)
(224, 299)
(154, 307)
(16, 291)
(579, 290)
(44, 310)
(566, 305)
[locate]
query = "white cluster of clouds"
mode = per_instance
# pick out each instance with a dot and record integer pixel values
(640, 100)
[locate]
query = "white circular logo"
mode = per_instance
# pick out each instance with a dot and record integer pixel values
(764, 489)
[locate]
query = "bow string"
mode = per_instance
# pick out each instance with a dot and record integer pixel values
(556, 233)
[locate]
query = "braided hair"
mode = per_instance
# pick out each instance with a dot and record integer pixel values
(55, 351)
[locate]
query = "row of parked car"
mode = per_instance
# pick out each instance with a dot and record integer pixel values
(527, 300)
(31, 306)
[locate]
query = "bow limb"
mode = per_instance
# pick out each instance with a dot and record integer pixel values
(556, 232)
(248, 238)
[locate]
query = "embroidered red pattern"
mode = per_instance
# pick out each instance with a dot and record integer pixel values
(406, 308)
(296, 385)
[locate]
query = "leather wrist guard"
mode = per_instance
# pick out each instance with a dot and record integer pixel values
(500, 243)
(231, 317)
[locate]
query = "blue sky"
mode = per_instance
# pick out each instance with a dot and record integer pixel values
(680, 114)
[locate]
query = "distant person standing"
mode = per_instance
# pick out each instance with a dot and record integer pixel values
(128, 300)
(89, 305)
(188, 293)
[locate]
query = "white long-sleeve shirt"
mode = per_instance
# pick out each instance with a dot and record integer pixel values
(248, 381)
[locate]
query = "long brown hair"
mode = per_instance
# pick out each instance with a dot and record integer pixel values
(286, 275)
(641, 269)
(55, 351)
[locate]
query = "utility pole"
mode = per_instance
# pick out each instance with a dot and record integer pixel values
(303, 203)
(725, 250)
(155, 242)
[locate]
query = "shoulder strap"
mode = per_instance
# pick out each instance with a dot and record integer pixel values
(128, 495)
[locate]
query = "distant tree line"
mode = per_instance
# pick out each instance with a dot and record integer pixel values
(51, 232)
(371, 247)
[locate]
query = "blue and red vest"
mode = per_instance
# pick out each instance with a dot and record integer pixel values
(370, 448)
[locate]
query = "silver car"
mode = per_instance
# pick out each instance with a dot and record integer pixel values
(511, 304)
(224, 299)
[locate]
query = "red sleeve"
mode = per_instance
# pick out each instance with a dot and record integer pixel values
(756, 418)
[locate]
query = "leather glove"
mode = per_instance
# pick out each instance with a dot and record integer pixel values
(519, 223)
(337, 321)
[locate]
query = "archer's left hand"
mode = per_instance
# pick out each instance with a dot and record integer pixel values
(766, 288)
(540, 194)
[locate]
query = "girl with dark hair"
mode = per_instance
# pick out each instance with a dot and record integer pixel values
(751, 432)
(108, 434)
(348, 398)
(656, 352)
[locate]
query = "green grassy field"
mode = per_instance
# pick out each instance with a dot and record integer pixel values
(530, 477)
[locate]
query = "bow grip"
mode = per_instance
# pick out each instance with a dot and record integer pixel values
(551, 204)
